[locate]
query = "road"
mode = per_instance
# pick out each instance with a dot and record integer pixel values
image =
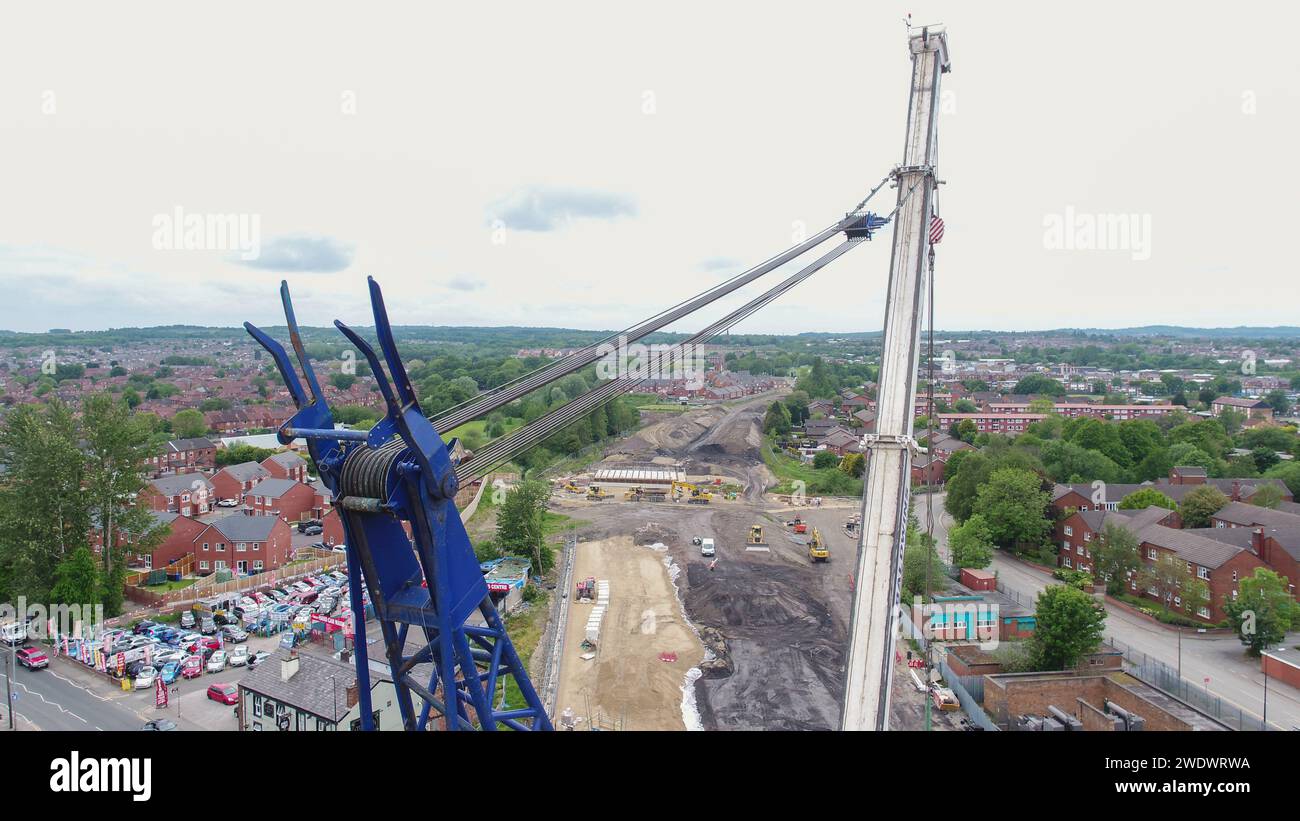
(50, 700)
(1232, 676)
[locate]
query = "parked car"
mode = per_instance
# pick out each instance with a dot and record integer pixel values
(218, 661)
(302, 586)
(228, 503)
(171, 671)
(207, 625)
(145, 678)
(33, 658)
(144, 626)
(169, 656)
(239, 656)
(159, 724)
(261, 598)
(232, 633)
(188, 621)
(313, 530)
(308, 523)
(192, 667)
(277, 595)
(225, 693)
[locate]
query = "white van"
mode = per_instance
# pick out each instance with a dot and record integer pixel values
(706, 547)
(13, 632)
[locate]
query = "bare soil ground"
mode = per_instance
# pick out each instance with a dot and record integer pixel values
(627, 685)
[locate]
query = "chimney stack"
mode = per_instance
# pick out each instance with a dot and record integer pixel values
(289, 666)
(1236, 490)
(1257, 541)
(353, 694)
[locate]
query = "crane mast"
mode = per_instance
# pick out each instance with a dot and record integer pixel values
(887, 481)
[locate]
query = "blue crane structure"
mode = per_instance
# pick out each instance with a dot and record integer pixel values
(395, 485)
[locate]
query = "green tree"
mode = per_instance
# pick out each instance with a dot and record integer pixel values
(189, 424)
(1145, 498)
(825, 459)
(1264, 458)
(1166, 578)
(777, 419)
(343, 381)
(1038, 383)
(1263, 610)
(1200, 504)
(921, 562)
(797, 405)
(520, 524)
(1115, 556)
(1014, 504)
(77, 580)
(1289, 473)
(1069, 625)
(966, 472)
(971, 543)
(854, 464)
(1267, 496)
(115, 444)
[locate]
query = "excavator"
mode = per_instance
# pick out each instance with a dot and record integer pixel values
(693, 494)
(595, 494)
(570, 487)
(817, 549)
(755, 535)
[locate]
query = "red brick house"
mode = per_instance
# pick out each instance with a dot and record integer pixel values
(1076, 534)
(840, 442)
(233, 481)
(179, 543)
(332, 529)
(1252, 408)
(184, 455)
(1241, 514)
(928, 469)
(245, 544)
(1008, 423)
(286, 465)
(1277, 547)
(189, 494)
(283, 498)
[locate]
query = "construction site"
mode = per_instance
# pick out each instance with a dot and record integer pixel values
(752, 637)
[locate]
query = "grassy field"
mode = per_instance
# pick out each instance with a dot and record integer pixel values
(479, 428)
(525, 630)
(168, 585)
(824, 482)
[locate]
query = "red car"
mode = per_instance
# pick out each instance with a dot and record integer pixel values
(33, 658)
(192, 667)
(225, 693)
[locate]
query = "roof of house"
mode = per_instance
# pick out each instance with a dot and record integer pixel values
(245, 471)
(274, 488)
(287, 459)
(1191, 546)
(1235, 402)
(244, 528)
(1190, 470)
(180, 483)
(200, 443)
(1240, 513)
(319, 687)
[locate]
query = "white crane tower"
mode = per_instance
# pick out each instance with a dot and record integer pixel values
(887, 482)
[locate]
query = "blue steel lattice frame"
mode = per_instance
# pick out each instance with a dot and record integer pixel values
(430, 580)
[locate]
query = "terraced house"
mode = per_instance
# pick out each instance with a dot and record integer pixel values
(246, 544)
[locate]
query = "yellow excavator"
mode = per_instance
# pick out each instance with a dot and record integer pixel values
(756, 536)
(595, 494)
(817, 549)
(693, 494)
(570, 487)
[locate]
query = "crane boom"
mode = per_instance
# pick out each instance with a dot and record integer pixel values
(887, 481)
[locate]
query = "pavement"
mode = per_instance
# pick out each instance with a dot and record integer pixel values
(1231, 675)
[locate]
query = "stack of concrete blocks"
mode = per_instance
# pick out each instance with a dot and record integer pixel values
(598, 612)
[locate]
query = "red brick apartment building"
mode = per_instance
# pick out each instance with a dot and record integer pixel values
(286, 465)
(189, 494)
(1071, 410)
(245, 544)
(1253, 408)
(989, 422)
(184, 455)
(283, 498)
(1220, 563)
(179, 543)
(232, 481)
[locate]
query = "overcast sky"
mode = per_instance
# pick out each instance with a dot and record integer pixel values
(509, 164)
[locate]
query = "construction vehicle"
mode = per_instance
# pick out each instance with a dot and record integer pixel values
(570, 487)
(798, 524)
(817, 549)
(692, 493)
(756, 536)
(587, 589)
(595, 494)
(640, 494)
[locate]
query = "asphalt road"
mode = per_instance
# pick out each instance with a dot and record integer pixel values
(1232, 676)
(49, 700)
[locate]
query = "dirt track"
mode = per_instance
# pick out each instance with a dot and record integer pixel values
(627, 685)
